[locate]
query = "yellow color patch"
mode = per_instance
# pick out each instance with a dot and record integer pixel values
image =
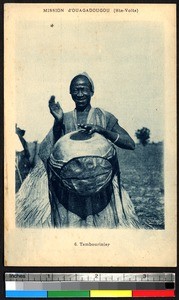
(111, 293)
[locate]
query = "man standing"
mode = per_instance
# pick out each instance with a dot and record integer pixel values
(115, 208)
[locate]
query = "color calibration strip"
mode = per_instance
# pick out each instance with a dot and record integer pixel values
(40, 285)
(88, 294)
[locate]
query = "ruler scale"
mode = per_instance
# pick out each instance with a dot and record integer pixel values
(89, 285)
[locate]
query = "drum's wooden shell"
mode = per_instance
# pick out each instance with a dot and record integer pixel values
(67, 148)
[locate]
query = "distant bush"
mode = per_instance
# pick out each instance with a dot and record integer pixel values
(143, 135)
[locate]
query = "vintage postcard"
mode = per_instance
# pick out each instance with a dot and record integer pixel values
(90, 134)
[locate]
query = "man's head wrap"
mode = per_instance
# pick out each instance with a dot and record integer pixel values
(87, 76)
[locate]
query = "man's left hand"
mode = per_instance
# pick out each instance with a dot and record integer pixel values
(91, 128)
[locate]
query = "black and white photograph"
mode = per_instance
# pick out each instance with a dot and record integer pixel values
(90, 130)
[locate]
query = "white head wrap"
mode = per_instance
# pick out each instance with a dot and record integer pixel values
(88, 77)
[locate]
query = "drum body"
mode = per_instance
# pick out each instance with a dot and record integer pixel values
(82, 163)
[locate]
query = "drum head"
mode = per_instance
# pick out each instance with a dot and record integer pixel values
(86, 175)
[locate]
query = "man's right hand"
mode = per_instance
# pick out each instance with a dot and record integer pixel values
(55, 109)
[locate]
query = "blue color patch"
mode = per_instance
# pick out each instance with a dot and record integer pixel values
(26, 294)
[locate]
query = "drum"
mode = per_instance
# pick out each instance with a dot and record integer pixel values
(83, 163)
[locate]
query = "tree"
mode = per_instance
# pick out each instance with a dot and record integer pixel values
(143, 135)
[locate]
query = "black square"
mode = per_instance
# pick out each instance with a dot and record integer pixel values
(169, 285)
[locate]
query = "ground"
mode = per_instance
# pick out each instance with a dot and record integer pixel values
(142, 177)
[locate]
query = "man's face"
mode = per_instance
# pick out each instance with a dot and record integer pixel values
(81, 92)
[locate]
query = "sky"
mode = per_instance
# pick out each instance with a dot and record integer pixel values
(124, 59)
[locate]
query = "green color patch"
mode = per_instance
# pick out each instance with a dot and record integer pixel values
(68, 294)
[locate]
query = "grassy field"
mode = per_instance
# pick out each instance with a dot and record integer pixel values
(142, 177)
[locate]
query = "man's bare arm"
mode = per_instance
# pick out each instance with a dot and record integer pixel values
(119, 136)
